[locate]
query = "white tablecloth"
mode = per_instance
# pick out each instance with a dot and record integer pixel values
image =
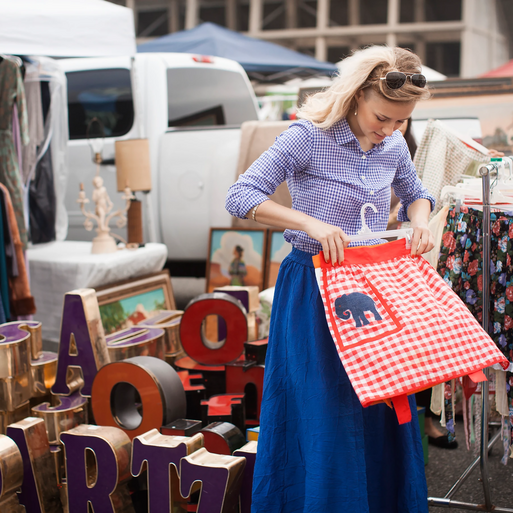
(59, 267)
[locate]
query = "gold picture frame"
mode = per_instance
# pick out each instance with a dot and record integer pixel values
(126, 303)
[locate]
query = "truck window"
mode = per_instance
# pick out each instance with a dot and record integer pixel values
(208, 97)
(105, 94)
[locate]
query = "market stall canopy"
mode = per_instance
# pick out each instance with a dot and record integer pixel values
(506, 70)
(66, 28)
(259, 58)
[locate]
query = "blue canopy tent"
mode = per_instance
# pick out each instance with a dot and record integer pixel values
(261, 60)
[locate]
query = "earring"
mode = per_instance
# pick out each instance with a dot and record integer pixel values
(356, 112)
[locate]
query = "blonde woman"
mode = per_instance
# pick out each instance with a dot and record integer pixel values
(319, 450)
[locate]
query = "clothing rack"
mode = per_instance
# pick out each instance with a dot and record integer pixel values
(447, 502)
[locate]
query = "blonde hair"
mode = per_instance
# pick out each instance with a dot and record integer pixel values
(362, 71)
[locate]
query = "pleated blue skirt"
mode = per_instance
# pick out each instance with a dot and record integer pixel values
(318, 449)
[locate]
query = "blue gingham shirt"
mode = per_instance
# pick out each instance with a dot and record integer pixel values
(329, 178)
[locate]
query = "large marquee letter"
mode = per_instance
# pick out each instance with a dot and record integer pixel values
(71, 411)
(39, 492)
(220, 477)
(11, 475)
(194, 342)
(120, 387)
(246, 493)
(136, 341)
(97, 468)
(162, 454)
(82, 342)
(17, 340)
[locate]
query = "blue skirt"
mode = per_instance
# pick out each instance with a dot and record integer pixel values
(318, 449)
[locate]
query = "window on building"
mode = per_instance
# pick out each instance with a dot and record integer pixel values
(444, 57)
(274, 15)
(407, 11)
(337, 53)
(213, 14)
(306, 13)
(243, 16)
(307, 50)
(339, 13)
(442, 10)
(152, 23)
(407, 46)
(105, 94)
(373, 12)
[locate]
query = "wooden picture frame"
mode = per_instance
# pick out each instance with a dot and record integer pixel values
(277, 249)
(223, 252)
(129, 302)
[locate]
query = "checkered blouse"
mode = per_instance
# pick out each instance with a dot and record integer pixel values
(329, 178)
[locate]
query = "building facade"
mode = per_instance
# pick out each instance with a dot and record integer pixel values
(456, 37)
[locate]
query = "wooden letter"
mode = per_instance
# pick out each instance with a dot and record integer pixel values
(156, 383)
(99, 479)
(82, 342)
(194, 341)
(39, 492)
(162, 454)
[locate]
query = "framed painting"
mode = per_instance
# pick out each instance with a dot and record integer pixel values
(277, 249)
(126, 303)
(236, 257)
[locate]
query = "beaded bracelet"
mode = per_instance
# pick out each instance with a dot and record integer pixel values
(254, 212)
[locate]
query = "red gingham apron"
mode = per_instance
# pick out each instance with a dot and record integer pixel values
(398, 327)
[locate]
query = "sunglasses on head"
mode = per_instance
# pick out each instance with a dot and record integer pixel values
(396, 79)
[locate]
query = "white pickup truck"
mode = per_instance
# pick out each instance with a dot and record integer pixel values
(190, 108)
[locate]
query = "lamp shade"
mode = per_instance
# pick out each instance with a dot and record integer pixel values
(133, 164)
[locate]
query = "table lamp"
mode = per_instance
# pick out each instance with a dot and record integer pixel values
(133, 169)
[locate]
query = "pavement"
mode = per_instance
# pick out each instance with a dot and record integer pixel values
(446, 466)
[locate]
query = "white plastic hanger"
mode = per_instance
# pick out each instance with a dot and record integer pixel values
(365, 232)
(501, 191)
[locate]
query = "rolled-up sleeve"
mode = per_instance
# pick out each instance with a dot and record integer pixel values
(408, 186)
(290, 153)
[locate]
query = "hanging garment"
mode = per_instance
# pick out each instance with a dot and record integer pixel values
(50, 78)
(442, 158)
(12, 90)
(318, 449)
(36, 123)
(460, 265)
(16, 135)
(21, 301)
(10, 250)
(397, 326)
(4, 281)
(436, 227)
(41, 189)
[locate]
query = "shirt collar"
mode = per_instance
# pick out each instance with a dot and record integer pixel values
(344, 135)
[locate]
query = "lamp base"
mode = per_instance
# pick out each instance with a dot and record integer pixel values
(104, 243)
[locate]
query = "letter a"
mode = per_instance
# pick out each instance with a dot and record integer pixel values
(82, 343)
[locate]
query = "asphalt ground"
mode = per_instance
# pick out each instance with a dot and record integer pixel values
(446, 466)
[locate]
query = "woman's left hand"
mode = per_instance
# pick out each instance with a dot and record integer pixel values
(422, 239)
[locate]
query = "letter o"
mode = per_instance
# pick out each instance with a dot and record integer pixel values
(113, 397)
(194, 341)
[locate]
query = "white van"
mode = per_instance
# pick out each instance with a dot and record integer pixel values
(190, 108)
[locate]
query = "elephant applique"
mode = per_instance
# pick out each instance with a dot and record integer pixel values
(356, 304)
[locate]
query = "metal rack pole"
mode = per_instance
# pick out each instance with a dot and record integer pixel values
(447, 501)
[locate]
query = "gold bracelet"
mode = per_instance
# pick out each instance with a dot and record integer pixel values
(254, 212)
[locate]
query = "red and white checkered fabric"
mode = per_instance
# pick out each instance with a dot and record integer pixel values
(426, 334)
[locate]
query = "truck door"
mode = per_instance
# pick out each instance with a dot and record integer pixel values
(104, 92)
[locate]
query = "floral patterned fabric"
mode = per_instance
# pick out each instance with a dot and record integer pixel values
(460, 265)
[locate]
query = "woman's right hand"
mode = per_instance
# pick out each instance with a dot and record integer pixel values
(332, 238)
